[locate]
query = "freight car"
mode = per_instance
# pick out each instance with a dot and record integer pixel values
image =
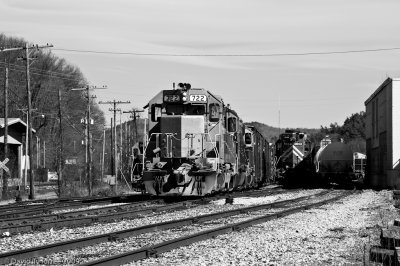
(196, 145)
(330, 162)
(335, 163)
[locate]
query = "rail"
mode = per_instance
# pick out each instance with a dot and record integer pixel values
(87, 241)
(153, 251)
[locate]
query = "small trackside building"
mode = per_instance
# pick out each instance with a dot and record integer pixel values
(382, 127)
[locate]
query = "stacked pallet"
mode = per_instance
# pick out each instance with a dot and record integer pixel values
(388, 252)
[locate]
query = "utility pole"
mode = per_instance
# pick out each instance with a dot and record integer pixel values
(120, 140)
(26, 154)
(114, 109)
(60, 158)
(28, 89)
(112, 149)
(5, 174)
(37, 152)
(88, 142)
(44, 154)
(135, 116)
(102, 155)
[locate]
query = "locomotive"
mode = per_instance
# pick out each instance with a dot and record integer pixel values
(290, 149)
(196, 145)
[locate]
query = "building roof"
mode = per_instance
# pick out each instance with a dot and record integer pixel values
(383, 85)
(12, 121)
(10, 140)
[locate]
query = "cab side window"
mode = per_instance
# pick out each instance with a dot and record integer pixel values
(214, 112)
(248, 138)
(232, 124)
(155, 112)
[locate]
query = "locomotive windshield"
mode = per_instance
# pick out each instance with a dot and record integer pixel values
(187, 109)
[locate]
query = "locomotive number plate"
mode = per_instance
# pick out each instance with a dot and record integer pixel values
(172, 98)
(197, 98)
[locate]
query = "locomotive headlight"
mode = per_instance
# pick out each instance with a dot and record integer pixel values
(184, 98)
(184, 93)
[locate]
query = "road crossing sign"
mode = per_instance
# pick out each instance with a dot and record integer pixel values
(3, 165)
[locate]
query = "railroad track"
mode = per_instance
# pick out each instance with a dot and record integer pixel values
(162, 247)
(26, 224)
(115, 199)
(45, 207)
(84, 217)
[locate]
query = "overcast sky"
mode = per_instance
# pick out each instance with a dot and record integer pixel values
(309, 90)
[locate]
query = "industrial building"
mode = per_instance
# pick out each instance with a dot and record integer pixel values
(383, 136)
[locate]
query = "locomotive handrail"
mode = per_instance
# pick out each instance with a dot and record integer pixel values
(155, 134)
(134, 167)
(237, 158)
(186, 137)
(206, 137)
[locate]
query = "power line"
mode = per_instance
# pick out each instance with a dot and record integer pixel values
(230, 55)
(38, 69)
(48, 75)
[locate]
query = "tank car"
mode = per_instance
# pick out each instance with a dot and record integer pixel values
(196, 145)
(334, 162)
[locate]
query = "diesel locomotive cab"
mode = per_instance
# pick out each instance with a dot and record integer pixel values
(291, 148)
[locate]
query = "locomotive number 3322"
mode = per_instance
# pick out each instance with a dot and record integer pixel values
(197, 98)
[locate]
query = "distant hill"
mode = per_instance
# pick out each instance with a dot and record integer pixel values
(272, 133)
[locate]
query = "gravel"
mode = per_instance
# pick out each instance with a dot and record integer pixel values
(23, 241)
(336, 234)
(132, 243)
